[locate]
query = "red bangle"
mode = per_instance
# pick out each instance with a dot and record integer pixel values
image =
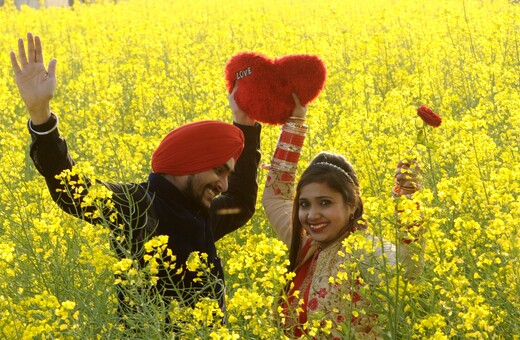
(291, 138)
(285, 155)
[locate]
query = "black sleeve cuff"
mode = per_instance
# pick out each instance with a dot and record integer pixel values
(251, 134)
(45, 126)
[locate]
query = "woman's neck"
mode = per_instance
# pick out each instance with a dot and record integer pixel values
(341, 236)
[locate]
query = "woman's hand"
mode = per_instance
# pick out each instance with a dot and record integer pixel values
(239, 116)
(300, 112)
(407, 178)
(35, 83)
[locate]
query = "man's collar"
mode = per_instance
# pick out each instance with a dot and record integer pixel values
(167, 191)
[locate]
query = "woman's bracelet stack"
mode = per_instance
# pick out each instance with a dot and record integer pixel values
(289, 146)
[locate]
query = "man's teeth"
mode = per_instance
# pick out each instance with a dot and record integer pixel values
(212, 193)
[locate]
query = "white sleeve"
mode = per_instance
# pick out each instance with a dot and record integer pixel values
(380, 256)
(277, 200)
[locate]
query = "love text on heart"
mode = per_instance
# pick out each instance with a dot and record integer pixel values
(244, 73)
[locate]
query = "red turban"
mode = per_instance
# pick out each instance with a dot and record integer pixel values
(197, 147)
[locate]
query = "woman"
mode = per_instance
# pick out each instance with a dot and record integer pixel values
(324, 216)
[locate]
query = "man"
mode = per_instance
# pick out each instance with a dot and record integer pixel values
(202, 186)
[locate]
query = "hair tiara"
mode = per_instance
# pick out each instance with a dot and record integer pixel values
(334, 166)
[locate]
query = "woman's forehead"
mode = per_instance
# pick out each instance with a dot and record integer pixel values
(318, 189)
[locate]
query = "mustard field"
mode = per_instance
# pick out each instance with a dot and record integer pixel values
(130, 72)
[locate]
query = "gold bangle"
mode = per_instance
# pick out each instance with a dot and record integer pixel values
(289, 147)
(293, 130)
(296, 125)
(297, 118)
(281, 165)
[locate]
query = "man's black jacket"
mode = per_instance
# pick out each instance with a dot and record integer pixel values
(157, 207)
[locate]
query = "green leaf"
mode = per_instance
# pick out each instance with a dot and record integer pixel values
(430, 145)
(421, 137)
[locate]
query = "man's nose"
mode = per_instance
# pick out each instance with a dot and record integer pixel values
(223, 184)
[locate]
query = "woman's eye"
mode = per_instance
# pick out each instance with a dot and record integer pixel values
(304, 204)
(325, 202)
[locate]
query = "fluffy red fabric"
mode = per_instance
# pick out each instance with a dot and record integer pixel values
(265, 86)
(197, 147)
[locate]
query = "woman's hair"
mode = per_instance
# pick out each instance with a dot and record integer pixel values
(338, 174)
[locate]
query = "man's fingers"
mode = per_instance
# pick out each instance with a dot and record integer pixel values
(21, 52)
(51, 70)
(235, 88)
(38, 50)
(31, 58)
(296, 99)
(14, 63)
(231, 97)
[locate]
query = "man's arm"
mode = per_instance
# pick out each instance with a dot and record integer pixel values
(37, 86)
(49, 150)
(125, 210)
(236, 206)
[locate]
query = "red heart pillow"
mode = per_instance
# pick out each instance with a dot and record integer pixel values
(265, 86)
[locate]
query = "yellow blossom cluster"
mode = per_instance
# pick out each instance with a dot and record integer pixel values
(129, 71)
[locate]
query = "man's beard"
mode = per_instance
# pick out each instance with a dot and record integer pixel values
(190, 193)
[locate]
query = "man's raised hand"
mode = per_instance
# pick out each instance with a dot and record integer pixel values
(35, 83)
